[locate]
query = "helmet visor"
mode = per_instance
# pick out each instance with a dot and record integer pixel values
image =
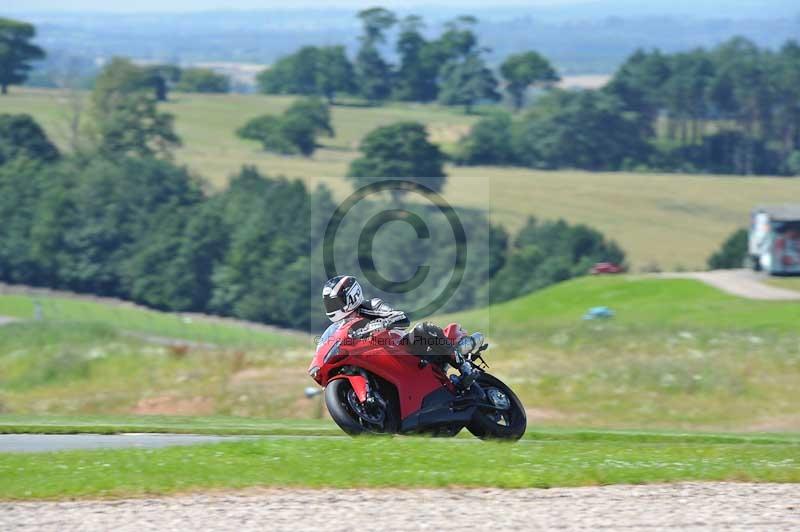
(334, 304)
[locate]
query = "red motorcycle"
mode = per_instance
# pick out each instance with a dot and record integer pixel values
(375, 384)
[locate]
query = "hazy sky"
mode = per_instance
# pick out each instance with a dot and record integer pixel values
(197, 5)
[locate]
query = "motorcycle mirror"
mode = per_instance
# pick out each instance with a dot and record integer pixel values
(310, 392)
(465, 345)
(478, 338)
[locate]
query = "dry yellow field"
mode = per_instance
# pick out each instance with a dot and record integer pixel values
(673, 221)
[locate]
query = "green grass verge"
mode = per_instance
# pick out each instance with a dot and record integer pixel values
(678, 355)
(122, 316)
(378, 462)
(232, 426)
(86, 368)
(218, 425)
(640, 304)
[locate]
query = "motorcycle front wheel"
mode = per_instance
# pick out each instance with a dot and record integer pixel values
(498, 423)
(354, 417)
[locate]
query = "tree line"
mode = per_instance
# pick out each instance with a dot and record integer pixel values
(450, 68)
(18, 51)
(141, 228)
(118, 218)
(734, 109)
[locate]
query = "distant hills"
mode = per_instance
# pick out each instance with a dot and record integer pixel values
(580, 37)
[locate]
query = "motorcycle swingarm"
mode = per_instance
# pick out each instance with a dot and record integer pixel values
(473, 400)
(425, 420)
(440, 408)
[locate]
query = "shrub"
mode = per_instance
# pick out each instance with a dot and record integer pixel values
(732, 254)
(202, 80)
(489, 142)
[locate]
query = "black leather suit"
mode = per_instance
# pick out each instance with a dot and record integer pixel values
(425, 339)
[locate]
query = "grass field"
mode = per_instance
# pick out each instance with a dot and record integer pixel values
(86, 367)
(673, 221)
(678, 357)
(100, 355)
(398, 462)
(142, 321)
(640, 303)
(678, 354)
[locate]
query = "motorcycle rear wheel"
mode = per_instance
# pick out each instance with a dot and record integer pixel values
(496, 424)
(344, 409)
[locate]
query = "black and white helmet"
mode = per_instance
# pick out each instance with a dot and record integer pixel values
(341, 295)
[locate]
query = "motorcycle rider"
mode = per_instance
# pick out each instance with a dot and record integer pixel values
(342, 296)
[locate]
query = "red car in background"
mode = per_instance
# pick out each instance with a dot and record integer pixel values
(606, 267)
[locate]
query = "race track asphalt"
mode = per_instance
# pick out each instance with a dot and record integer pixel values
(38, 443)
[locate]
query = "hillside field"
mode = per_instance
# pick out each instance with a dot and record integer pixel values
(678, 355)
(670, 221)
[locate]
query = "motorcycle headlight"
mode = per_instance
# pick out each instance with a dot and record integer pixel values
(334, 353)
(465, 345)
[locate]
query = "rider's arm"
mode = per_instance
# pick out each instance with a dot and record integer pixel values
(377, 309)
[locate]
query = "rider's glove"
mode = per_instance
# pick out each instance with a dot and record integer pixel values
(372, 327)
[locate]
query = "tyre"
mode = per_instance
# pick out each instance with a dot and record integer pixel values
(353, 417)
(498, 424)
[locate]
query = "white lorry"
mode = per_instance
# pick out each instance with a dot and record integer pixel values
(774, 239)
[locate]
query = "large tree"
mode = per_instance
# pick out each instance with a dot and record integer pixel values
(489, 142)
(548, 252)
(523, 70)
(416, 78)
(294, 131)
(400, 150)
(311, 71)
(202, 80)
(267, 129)
(264, 272)
(316, 111)
(21, 136)
(117, 207)
(637, 83)
(685, 94)
(118, 78)
(374, 73)
(741, 91)
(376, 21)
(587, 129)
(458, 40)
(162, 78)
(335, 73)
(16, 52)
(126, 117)
(467, 81)
(786, 80)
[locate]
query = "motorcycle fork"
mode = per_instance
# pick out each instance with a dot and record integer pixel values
(373, 396)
